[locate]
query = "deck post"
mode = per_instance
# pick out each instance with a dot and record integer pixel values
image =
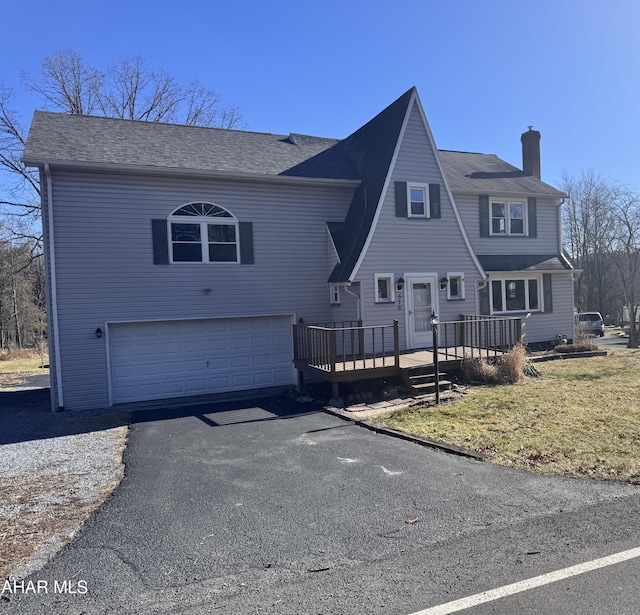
(332, 350)
(361, 348)
(396, 343)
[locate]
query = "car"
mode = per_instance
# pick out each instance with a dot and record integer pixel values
(590, 323)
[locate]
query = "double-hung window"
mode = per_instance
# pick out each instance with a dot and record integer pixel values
(418, 200)
(508, 217)
(516, 295)
(203, 233)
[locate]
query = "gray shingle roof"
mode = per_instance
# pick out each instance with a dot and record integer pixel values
(63, 138)
(520, 262)
(488, 174)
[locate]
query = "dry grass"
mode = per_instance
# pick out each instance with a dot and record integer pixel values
(581, 418)
(508, 369)
(582, 347)
(15, 367)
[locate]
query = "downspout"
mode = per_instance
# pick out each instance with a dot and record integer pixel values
(346, 290)
(54, 292)
(560, 204)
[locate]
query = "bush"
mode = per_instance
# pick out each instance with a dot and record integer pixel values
(507, 369)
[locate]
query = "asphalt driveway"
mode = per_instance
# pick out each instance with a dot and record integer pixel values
(251, 507)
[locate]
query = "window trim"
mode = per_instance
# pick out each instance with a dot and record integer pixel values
(427, 202)
(515, 276)
(507, 202)
(227, 218)
(455, 274)
(392, 291)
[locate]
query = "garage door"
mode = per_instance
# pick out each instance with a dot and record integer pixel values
(158, 360)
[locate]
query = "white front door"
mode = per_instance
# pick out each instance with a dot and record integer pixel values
(422, 298)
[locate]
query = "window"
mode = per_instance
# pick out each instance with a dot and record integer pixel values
(507, 217)
(203, 233)
(455, 285)
(334, 294)
(418, 200)
(516, 295)
(385, 292)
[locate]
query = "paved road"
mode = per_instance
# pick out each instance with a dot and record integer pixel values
(271, 507)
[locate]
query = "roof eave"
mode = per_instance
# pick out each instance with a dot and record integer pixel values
(164, 171)
(511, 193)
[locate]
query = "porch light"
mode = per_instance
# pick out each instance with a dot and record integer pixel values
(400, 284)
(433, 321)
(443, 283)
(98, 332)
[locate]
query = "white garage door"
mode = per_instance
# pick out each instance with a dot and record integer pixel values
(158, 360)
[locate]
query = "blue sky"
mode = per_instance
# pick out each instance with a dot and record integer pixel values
(484, 69)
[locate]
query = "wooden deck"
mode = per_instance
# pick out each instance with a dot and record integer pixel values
(346, 352)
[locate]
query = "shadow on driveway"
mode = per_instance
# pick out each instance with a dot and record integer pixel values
(26, 415)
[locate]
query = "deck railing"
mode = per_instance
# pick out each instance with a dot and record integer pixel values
(479, 336)
(338, 347)
(333, 347)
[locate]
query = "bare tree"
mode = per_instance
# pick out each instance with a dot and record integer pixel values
(128, 89)
(588, 227)
(20, 202)
(625, 252)
(67, 84)
(602, 232)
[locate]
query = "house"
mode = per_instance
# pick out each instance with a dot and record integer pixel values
(178, 258)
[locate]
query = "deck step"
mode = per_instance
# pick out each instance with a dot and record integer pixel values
(430, 387)
(421, 380)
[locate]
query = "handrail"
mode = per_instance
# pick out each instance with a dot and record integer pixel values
(341, 348)
(480, 335)
(334, 349)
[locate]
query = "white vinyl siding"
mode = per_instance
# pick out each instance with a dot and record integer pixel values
(105, 261)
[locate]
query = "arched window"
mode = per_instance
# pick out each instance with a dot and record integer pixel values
(203, 233)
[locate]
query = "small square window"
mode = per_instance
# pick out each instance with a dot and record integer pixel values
(384, 288)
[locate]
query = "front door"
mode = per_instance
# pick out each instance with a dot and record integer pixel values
(421, 303)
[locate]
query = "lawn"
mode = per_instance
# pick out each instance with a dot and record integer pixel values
(14, 370)
(580, 418)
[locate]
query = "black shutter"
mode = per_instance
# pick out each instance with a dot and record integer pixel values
(484, 215)
(483, 297)
(434, 200)
(160, 242)
(532, 214)
(401, 200)
(546, 290)
(246, 243)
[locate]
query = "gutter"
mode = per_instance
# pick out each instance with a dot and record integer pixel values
(54, 291)
(176, 171)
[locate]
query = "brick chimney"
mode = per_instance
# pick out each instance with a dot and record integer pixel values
(531, 152)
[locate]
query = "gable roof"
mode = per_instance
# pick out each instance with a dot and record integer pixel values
(371, 148)
(60, 138)
(488, 174)
(364, 158)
